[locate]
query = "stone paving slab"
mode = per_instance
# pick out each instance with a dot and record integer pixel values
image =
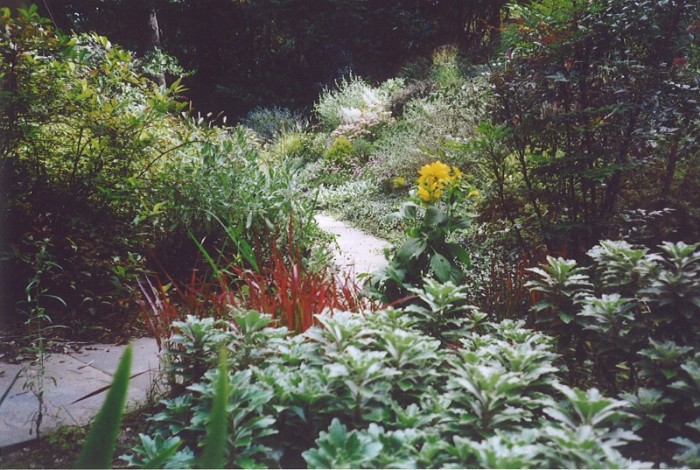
(105, 357)
(356, 251)
(67, 378)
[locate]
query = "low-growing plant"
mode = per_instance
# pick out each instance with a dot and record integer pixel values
(295, 146)
(340, 153)
(363, 203)
(372, 390)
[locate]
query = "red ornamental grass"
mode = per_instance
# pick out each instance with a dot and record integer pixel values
(281, 287)
(293, 294)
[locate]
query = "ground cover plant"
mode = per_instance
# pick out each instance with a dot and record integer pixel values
(359, 388)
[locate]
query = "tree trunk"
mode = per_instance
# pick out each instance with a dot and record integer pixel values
(154, 41)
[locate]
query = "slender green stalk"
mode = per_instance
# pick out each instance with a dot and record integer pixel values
(215, 444)
(98, 449)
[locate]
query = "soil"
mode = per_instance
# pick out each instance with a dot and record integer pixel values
(18, 343)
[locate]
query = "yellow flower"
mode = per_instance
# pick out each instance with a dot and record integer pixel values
(398, 182)
(437, 170)
(424, 194)
(434, 178)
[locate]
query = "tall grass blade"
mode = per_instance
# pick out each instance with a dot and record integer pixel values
(215, 444)
(206, 255)
(99, 445)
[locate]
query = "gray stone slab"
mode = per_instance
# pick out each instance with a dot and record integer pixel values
(67, 378)
(105, 357)
(64, 381)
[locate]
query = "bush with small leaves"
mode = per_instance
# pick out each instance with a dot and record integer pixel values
(271, 123)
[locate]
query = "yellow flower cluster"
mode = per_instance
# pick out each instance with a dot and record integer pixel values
(398, 182)
(434, 178)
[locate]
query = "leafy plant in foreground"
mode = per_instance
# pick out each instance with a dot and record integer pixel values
(370, 390)
(634, 314)
(100, 442)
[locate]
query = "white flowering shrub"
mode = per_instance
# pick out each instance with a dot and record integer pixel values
(354, 100)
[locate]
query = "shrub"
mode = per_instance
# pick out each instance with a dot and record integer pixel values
(632, 318)
(598, 120)
(340, 153)
(298, 147)
(83, 133)
(353, 100)
(446, 68)
(432, 127)
(228, 187)
(272, 123)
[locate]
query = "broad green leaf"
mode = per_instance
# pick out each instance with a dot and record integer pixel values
(434, 216)
(441, 266)
(411, 248)
(460, 253)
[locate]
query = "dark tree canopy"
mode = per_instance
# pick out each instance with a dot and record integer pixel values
(282, 52)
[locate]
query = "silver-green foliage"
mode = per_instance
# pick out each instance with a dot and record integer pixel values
(369, 390)
(353, 94)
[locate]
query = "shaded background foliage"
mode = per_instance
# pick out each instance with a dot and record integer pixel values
(283, 52)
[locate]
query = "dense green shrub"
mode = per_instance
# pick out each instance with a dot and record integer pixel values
(597, 106)
(101, 170)
(340, 153)
(630, 322)
(376, 390)
(82, 132)
(230, 188)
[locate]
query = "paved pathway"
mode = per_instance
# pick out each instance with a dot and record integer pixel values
(71, 376)
(355, 251)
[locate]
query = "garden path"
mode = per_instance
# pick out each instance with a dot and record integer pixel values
(68, 377)
(72, 375)
(355, 251)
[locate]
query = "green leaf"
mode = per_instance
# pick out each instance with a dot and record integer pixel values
(441, 266)
(206, 255)
(411, 248)
(566, 317)
(100, 442)
(434, 216)
(460, 253)
(215, 444)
